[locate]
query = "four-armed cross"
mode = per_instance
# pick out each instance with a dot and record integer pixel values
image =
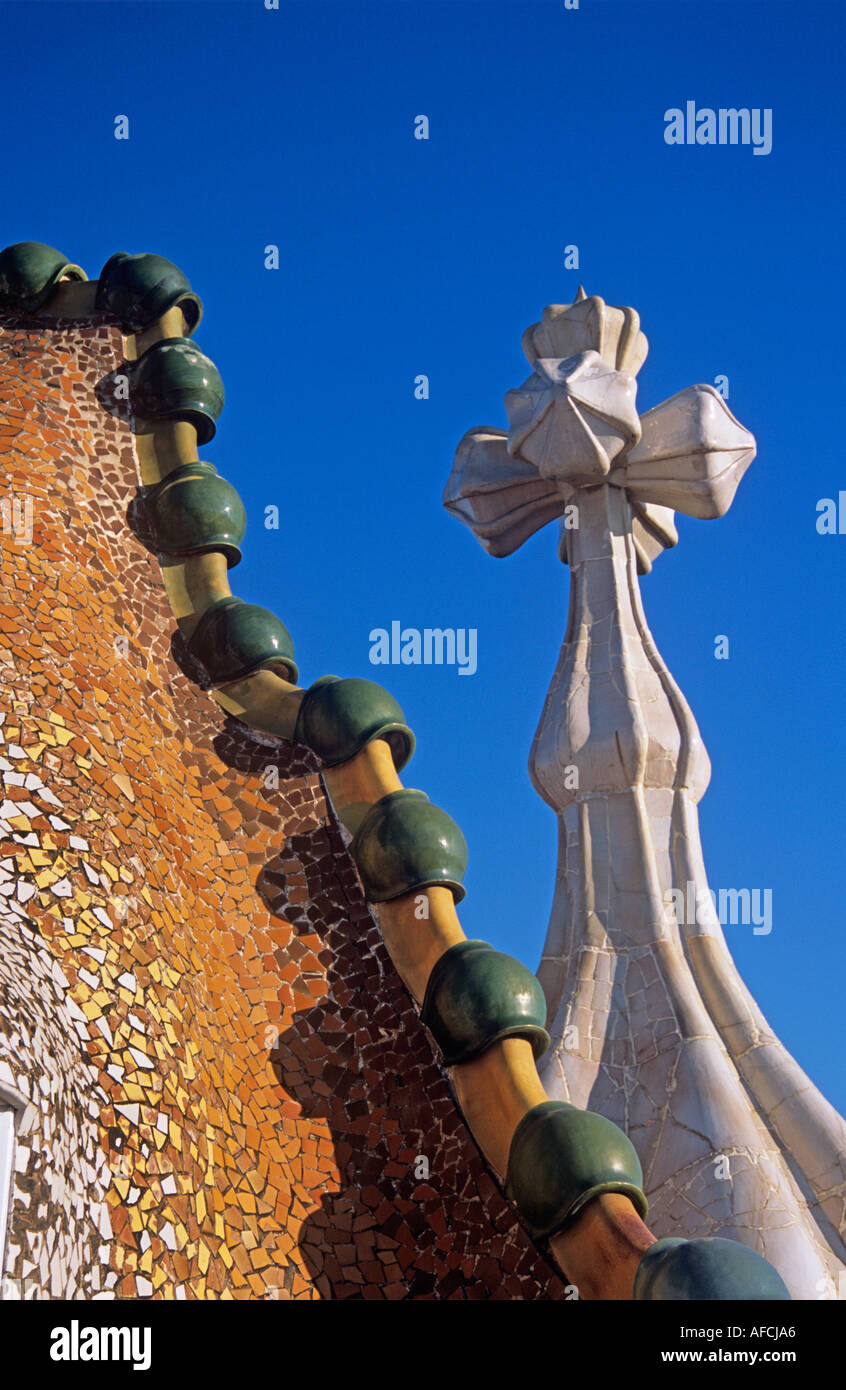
(650, 1021)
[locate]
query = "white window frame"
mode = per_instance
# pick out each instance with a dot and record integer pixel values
(8, 1116)
(12, 1107)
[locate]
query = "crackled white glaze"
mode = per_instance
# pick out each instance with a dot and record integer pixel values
(650, 1021)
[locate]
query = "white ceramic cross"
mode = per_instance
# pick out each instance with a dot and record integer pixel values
(650, 1021)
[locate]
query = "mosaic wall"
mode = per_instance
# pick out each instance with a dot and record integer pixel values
(225, 1088)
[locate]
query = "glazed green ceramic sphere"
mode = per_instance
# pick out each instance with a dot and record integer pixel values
(29, 272)
(561, 1157)
(708, 1268)
(234, 638)
(404, 844)
(139, 289)
(338, 718)
(173, 380)
(195, 510)
(476, 996)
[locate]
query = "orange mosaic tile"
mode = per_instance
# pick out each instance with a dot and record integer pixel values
(227, 1085)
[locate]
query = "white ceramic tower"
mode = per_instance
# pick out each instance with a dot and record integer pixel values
(650, 1021)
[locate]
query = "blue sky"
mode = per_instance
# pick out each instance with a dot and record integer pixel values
(399, 257)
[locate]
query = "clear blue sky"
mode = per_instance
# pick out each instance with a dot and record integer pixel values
(399, 257)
